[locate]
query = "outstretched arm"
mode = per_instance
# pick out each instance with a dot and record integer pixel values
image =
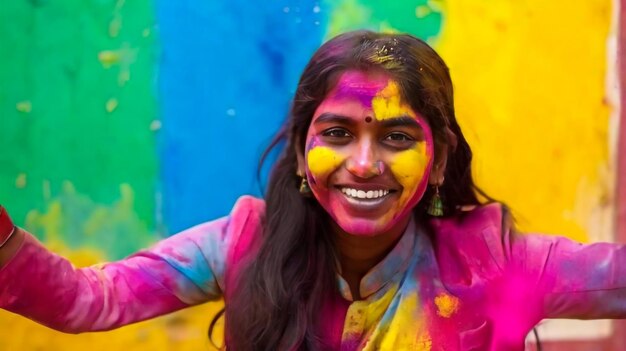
(582, 281)
(183, 270)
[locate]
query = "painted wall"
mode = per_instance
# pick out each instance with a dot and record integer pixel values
(122, 122)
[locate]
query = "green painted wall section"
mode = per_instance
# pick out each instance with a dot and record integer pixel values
(78, 121)
(422, 18)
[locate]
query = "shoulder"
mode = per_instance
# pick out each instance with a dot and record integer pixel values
(472, 220)
(217, 239)
(249, 203)
(245, 224)
(246, 218)
(247, 208)
(472, 241)
(245, 228)
(247, 212)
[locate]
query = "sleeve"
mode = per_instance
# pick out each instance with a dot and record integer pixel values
(185, 269)
(580, 281)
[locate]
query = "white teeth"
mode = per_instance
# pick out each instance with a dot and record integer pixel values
(362, 194)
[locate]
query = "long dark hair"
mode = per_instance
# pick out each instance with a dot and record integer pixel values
(275, 303)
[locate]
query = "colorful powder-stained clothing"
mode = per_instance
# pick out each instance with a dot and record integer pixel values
(464, 284)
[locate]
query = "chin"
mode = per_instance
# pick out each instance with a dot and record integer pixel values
(364, 227)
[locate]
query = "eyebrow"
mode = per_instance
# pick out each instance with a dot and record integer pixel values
(400, 121)
(333, 118)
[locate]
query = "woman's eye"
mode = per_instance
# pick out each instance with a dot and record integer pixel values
(399, 137)
(336, 133)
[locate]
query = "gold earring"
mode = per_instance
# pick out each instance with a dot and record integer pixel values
(435, 208)
(305, 189)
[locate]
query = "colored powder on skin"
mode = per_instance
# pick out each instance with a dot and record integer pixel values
(349, 89)
(322, 160)
(408, 168)
(388, 103)
(446, 305)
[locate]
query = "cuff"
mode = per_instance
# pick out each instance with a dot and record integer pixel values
(6, 226)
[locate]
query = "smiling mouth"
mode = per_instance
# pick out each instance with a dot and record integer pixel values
(365, 200)
(365, 194)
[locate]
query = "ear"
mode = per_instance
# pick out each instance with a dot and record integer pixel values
(441, 158)
(439, 166)
(301, 169)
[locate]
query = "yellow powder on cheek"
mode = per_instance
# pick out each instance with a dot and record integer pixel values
(446, 305)
(323, 160)
(388, 103)
(408, 167)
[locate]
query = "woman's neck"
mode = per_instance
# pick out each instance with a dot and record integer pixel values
(359, 254)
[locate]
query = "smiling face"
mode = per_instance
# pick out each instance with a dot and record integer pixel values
(368, 154)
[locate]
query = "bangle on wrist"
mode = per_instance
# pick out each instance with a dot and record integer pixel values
(7, 228)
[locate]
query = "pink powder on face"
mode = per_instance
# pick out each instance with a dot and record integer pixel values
(352, 86)
(351, 99)
(364, 94)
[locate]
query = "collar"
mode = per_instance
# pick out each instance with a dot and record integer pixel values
(395, 263)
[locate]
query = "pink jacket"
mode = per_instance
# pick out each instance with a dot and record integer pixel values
(470, 285)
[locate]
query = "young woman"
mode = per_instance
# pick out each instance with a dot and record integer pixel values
(372, 235)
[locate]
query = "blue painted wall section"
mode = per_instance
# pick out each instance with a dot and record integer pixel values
(227, 74)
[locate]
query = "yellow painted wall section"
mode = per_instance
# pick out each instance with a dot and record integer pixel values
(182, 331)
(530, 97)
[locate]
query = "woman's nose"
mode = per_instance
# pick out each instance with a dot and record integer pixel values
(364, 163)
